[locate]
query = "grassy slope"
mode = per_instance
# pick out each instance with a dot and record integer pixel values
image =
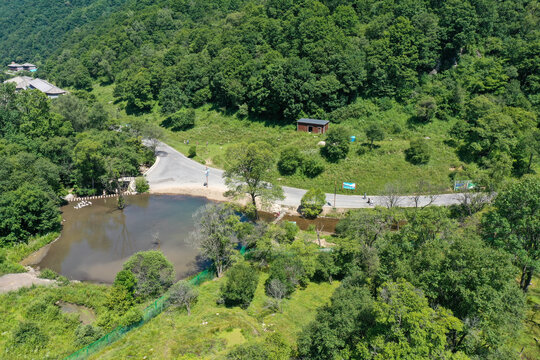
(13, 255)
(531, 332)
(37, 305)
(371, 171)
(173, 333)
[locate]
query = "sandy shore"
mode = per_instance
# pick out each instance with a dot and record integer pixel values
(211, 193)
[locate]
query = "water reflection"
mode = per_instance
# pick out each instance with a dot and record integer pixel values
(97, 239)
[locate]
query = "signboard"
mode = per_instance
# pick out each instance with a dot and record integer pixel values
(349, 186)
(463, 185)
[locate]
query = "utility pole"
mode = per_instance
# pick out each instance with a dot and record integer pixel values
(335, 191)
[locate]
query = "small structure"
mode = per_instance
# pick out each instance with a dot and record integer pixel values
(18, 67)
(312, 126)
(15, 67)
(28, 83)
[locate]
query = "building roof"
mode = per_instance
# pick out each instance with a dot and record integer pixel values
(21, 82)
(14, 65)
(28, 65)
(26, 82)
(313, 121)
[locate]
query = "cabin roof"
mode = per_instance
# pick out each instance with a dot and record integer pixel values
(313, 122)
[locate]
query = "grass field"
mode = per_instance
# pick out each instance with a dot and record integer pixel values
(55, 337)
(214, 131)
(211, 329)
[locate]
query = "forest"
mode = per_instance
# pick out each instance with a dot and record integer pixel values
(32, 30)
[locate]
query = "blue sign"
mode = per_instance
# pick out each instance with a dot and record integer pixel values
(353, 138)
(349, 186)
(463, 185)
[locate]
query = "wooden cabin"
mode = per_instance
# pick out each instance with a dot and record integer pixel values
(312, 126)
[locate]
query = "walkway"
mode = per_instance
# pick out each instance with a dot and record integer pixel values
(175, 173)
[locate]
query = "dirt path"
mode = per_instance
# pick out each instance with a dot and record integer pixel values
(11, 282)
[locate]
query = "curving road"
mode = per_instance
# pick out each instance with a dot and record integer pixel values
(173, 170)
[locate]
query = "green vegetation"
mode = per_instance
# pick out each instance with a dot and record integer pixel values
(240, 287)
(47, 147)
(212, 330)
(312, 203)
(141, 185)
(31, 31)
(514, 225)
(250, 170)
(432, 91)
(11, 256)
(35, 326)
(154, 274)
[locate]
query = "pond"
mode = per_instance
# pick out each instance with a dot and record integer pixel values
(96, 240)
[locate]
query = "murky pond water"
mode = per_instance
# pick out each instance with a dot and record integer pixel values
(96, 240)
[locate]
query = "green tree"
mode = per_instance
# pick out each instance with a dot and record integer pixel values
(138, 91)
(337, 145)
(312, 203)
(289, 160)
(514, 225)
(141, 185)
(374, 132)
(312, 167)
(181, 120)
(154, 273)
(240, 287)
(418, 152)
(426, 108)
(126, 280)
(183, 294)
(27, 211)
(251, 170)
(397, 324)
(215, 234)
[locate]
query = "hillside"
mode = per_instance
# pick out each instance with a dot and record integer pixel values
(30, 31)
(465, 72)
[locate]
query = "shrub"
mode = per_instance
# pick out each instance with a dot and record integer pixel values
(183, 294)
(192, 152)
(312, 167)
(289, 160)
(289, 271)
(141, 185)
(418, 152)
(86, 334)
(29, 334)
(337, 145)
(181, 120)
(312, 203)
(374, 132)
(290, 230)
(154, 273)
(126, 280)
(48, 274)
(240, 287)
(426, 108)
(133, 316)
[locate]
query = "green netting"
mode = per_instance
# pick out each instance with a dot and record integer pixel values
(149, 312)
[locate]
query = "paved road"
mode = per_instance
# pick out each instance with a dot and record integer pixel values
(174, 170)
